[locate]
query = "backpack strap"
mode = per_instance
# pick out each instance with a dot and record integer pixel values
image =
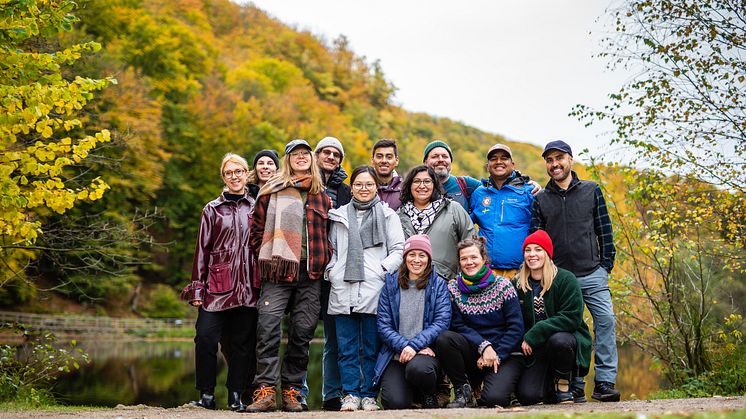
(464, 187)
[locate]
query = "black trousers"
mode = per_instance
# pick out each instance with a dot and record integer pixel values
(239, 324)
(401, 384)
(555, 359)
(461, 367)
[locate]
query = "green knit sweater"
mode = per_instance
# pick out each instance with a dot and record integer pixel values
(563, 303)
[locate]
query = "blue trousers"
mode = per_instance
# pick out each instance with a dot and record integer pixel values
(597, 297)
(358, 344)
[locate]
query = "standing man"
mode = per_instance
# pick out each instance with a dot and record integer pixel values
(330, 153)
(574, 213)
(501, 207)
(459, 188)
(384, 159)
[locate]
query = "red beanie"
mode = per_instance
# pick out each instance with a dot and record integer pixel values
(541, 238)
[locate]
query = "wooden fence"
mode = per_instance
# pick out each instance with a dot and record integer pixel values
(94, 325)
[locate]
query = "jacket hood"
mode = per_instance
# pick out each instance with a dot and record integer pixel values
(515, 179)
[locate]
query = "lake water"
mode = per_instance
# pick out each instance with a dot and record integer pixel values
(162, 374)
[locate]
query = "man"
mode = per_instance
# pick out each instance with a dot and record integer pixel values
(501, 207)
(438, 156)
(385, 159)
(330, 153)
(574, 213)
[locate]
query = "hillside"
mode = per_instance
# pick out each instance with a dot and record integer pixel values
(197, 79)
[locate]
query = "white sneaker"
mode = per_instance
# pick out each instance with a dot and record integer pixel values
(369, 404)
(350, 403)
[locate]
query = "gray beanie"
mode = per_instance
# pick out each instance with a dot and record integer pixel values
(330, 142)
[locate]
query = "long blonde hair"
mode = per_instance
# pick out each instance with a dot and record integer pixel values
(549, 271)
(285, 175)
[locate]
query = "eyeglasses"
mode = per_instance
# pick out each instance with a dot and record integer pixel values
(327, 153)
(425, 182)
(367, 186)
(300, 153)
(237, 173)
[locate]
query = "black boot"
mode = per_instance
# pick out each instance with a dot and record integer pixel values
(463, 397)
(562, 390)
(605, 392)
(430, 401)
(234, 402)
(206, 400)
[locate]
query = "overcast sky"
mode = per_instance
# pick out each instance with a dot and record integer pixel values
(514, 68)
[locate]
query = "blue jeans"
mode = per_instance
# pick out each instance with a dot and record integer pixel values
(332, 385)
(358, 343)
(597, 297)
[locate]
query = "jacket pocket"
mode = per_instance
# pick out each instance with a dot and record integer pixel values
(219, 279)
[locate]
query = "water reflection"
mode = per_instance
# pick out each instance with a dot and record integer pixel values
(162, 374)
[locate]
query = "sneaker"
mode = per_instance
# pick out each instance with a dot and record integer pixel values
(605, 392)
(578, 395)
(264, 400)
(206, 400)
(332, 405)
(369, 404)
(350, 403)
(462, 397)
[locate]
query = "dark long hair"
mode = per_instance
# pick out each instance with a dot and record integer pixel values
(406, 189)
(421, 282)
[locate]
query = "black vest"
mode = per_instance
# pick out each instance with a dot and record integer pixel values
(568, 216)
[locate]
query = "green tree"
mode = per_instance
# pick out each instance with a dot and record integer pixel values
(41, 132)
(680, 231)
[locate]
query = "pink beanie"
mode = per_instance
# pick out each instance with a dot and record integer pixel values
(541, 238)
(418, 242)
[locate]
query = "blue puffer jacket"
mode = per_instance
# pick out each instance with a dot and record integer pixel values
(504, 217)
(437, 319)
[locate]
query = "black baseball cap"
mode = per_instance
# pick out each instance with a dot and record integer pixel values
(557, 145)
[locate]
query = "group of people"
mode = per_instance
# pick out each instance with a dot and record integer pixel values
(433, 289)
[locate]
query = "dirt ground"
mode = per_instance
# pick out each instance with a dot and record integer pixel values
(684, 407)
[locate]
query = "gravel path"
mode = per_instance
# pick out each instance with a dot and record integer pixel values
(684, 407)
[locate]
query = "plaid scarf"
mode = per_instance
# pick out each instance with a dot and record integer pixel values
(279, 255)
(421, 219)
(476, 283)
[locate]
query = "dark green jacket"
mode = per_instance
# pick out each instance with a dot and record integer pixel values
(563, 303)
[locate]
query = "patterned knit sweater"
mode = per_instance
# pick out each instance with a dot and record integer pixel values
(489, 317)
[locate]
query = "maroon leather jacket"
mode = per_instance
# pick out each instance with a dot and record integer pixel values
(223, 273)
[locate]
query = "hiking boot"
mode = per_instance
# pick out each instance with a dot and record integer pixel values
(369, 404)
(605, 392)
(206, 400)
(578, 395)
(234, 401)
(291, 400)
(430, 401)
(562, 391)
(350, 403)
(264, 400)
(332, 405)
(462, 397)
(443, 398)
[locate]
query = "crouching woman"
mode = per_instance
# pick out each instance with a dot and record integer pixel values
(413, 310)
(557, 343)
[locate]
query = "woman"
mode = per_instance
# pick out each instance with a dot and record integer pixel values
(413, 310)
(425, 210)
(486, 331)
(222, 289)
(290, 237)
(265, 166)
(367, 242)
(557, 343)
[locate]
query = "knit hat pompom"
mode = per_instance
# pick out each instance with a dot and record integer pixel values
(541, 238)
(418, 242)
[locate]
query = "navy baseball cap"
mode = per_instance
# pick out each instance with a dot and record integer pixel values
(297, 143)
(557, 145)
